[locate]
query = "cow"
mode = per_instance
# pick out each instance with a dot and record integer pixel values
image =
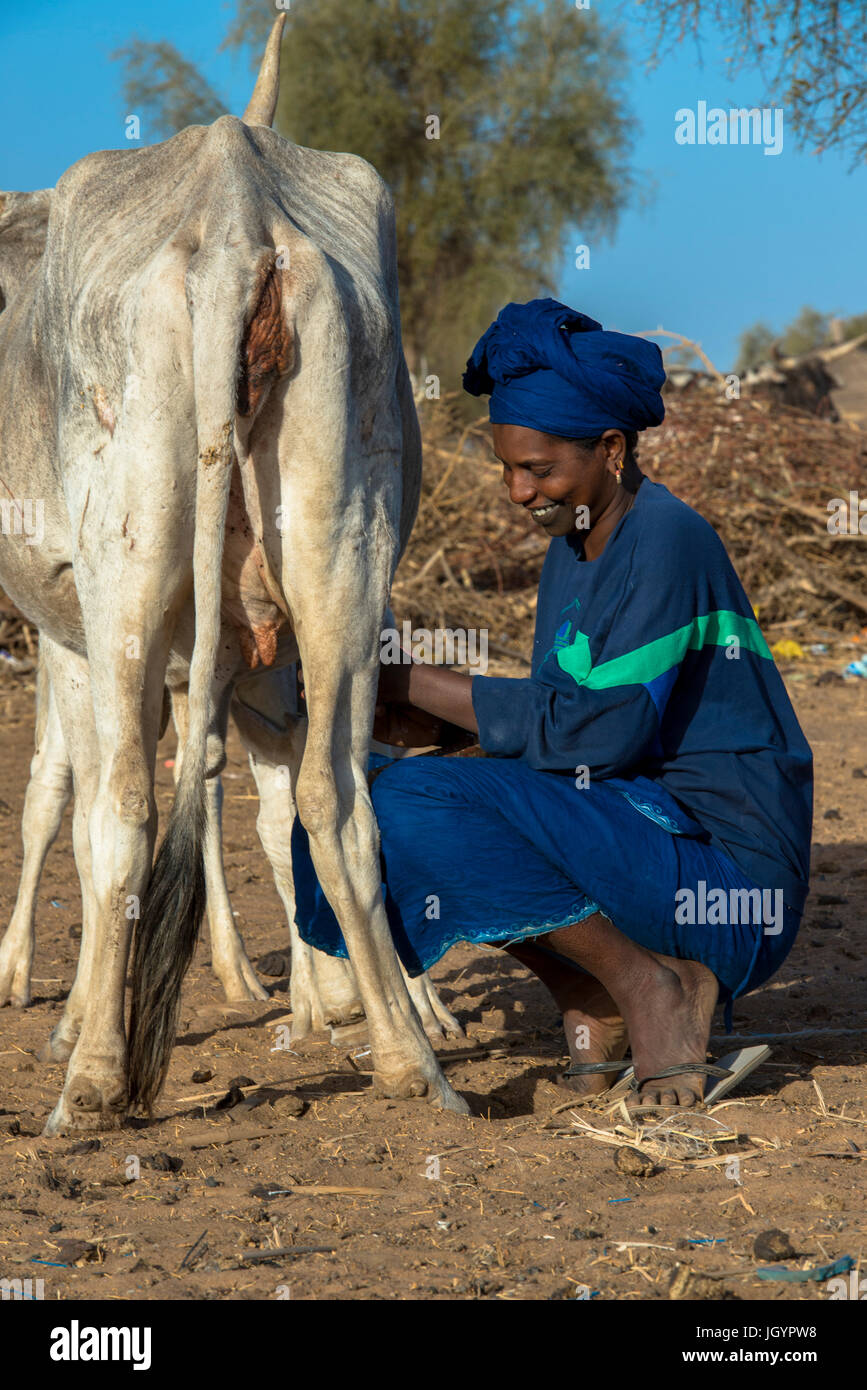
(202, 382)
(323, 990)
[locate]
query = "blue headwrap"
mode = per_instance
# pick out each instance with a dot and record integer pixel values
(552, 369)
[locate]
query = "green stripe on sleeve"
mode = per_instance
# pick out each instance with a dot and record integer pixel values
(645, 663)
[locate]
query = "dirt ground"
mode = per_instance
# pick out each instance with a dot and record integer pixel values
(389, 1200)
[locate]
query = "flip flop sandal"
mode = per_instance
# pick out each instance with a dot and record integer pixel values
(739, 1064)
(730, 1072)
(594, 1068)
(682, 1069)
(623, 1067)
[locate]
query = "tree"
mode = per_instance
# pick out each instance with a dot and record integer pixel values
(161, 82)
(854, 327)
(754, 347)
(809, 331)
(499, 127)
(812, 56)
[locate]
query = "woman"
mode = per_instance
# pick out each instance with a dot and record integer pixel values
(639, 835)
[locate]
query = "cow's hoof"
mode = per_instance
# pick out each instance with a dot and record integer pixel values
(442, 1097)
(16, 996)
(14, 979)
(436, 1020)
(411, 1083)
(441, 1024)
(302, 1025)
(312, 1014)
(349, 1017)
(334, 995)
(350, 1034)
(241, 985)
(59, 1046)
(87, 1105)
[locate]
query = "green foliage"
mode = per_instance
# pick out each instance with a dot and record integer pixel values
(813, 58)
(531, 140)
(754, 346)
(168, 92)
(853, 327)
(810, 330)
(534, 134)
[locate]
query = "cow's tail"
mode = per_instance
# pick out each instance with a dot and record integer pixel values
(174, 902)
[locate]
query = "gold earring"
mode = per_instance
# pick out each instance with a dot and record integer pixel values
(618, 469)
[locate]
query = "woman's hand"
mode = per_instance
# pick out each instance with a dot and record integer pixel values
(394, 684)
(404, 726)
(420, 706)
(403, 719)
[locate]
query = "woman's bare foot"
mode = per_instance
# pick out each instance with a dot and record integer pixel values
(666, 1004)
(670, 1025)
(595, 1031)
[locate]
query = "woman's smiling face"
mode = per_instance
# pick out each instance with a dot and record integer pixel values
(552, 478)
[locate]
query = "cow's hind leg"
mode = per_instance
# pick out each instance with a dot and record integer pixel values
(338, 614)
(335, 807)
(67, 673)
(229, 957)
(124, 677)
(48, 792)
(94, 1093)
(323, 991)
(61, 1042)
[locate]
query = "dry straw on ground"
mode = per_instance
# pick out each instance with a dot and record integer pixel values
(696, 1140)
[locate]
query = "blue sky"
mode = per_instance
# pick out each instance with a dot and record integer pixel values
(727, 236)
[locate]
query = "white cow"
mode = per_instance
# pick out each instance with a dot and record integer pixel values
(202, 383)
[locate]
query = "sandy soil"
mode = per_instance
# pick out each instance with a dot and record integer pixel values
(402, 1202)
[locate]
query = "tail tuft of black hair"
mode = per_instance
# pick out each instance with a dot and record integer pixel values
(166, 934)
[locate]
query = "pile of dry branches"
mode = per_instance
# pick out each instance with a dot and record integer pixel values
(765, 477)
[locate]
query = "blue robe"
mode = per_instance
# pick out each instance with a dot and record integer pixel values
(651, 767)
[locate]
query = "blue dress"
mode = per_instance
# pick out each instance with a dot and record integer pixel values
(651, 768)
